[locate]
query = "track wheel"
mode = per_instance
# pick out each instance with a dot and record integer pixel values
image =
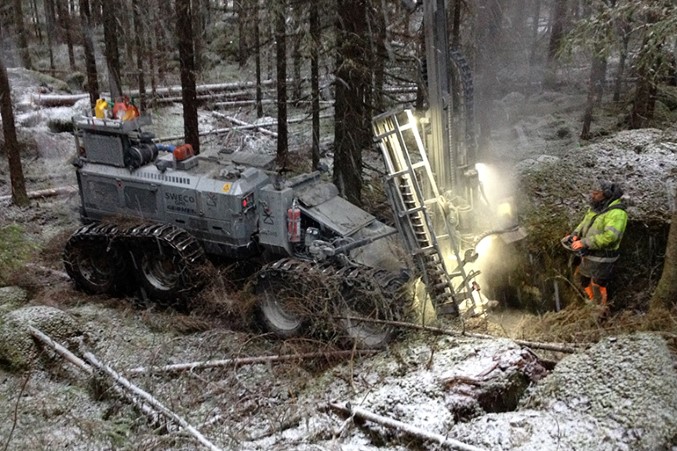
(163, 273)
(94, 267)
(279, 308)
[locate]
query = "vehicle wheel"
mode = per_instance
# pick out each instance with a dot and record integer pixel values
(94, 267)
(363, 334)
(162, 274)
(370, 294)
(277, 309)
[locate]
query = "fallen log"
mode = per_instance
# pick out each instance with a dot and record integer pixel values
(54, 100)
(44, 193)
(216, 131)
(83, 366)
(143, 400)
(259, 127)
(63, 352)
(558, 347)
(60, 274)
(147, 397)
(241, 103)
(241, 361)
(358, 412)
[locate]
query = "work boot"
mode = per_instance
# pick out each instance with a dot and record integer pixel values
(599, 294)
(589, 291)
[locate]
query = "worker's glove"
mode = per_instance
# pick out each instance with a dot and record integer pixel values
(577, 245)
(570, 239)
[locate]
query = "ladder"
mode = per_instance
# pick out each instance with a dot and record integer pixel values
(408, 176)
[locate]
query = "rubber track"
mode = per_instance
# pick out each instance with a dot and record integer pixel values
(183, 243)
(132, 238)
(87, 236)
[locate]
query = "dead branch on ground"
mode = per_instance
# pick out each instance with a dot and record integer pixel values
(54, 272)
(558, 347)
(148, 398)
(241, 361)
(141, 399)
(358, 412)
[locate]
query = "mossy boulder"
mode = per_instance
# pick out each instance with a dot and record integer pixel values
(11, 297)
(18, 348)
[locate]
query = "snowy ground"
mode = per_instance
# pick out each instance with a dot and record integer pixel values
(620, 394)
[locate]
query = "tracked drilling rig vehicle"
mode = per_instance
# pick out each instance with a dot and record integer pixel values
(153, 219)
(177, 211)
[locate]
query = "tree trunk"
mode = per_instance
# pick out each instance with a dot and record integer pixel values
(422, 83)
(596, 78)
(112, 53)
(666, 290)
(556, 35)
(381, 56)
(124, 17)
(242, 53)
(257, 56)
(197, 10)
(297, 36)
(625, 40)
(534, 34)
(641, 112)
(162, 39)
(281, 69)
(50, 22)
(22, 38)
(456, 25)
(489, 19)
(37, 26)
(315, 80)
(152, 49)
(600, 82)
(352, 128)
(65, 22)
(139, 41)
(187, 63)
(90, 59)
(16, 175)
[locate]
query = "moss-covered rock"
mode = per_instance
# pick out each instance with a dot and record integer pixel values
(626, 382)
(17, 346)
(12, 296)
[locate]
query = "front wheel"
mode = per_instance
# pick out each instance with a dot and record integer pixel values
(362, 332)
(278, 310)
(371, 298)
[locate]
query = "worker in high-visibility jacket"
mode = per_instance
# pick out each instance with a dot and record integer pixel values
(597, 240)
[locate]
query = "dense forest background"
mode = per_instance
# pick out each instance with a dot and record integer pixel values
(361, 55)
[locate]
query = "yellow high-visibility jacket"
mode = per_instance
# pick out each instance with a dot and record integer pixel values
(603, 231)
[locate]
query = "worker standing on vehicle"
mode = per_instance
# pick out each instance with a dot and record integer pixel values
(597, 239)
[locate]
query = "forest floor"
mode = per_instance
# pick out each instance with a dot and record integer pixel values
(428, 381)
